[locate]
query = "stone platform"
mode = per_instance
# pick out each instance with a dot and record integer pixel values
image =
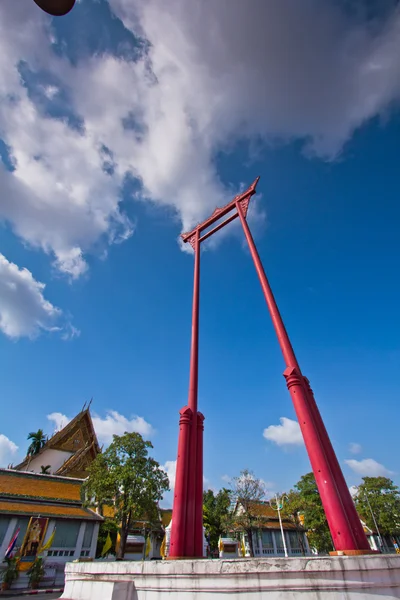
(309, 578)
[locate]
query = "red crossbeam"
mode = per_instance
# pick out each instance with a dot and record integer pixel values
(219, 213)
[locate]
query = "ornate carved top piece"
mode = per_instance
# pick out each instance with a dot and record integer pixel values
(242, 198)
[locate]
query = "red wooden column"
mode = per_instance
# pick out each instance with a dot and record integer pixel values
(177, 543)
(358, 532)
(198, 517)
(192, 402)
(344, 524)
(187, 515)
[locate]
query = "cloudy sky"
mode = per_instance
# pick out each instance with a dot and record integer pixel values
(125, 123)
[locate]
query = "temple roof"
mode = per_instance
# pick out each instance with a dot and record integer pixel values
(31, 509)
(31, 494)
(20, 484)
(268, 517)
(78, 462)
(77, 437)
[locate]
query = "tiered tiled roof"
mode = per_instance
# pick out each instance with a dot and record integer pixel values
(268, 517)
(31, 494)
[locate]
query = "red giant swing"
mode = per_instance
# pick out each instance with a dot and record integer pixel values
(187, 525)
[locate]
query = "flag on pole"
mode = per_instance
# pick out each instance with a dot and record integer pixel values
(163, 549)
(243, 548)
(49, 542)
(107, 545)
(148, 546)
(220, 544)
(12, 543)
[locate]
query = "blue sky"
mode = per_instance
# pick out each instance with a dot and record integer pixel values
(121, 127)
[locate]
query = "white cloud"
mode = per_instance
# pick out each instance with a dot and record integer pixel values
(24, 311)
(313, 70)
(309, 70)
(59, 196)
(8, 450)
(368, 467)
(353, 489)
(355, 448)
(116, 424)
(226, 478)
(207, 485)
(59, 420)
(286, 434)
(170, 468)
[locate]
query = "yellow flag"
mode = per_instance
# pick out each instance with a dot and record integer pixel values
(243, 548)
(107, 545)
(163, 549)
(49, 542)
(148, 545)
(220, 545)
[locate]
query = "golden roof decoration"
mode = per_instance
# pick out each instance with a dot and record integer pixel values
(77, 436)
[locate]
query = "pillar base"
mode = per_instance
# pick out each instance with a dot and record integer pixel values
(184, 557)
(306, 578)
(353, 552)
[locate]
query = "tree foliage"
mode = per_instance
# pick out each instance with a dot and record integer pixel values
(38, 440)
(304, 507)
(247, 491)
(380, 497)
(127, 478)
(215, 513)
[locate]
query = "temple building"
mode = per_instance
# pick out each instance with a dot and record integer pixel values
(267, 536)
(38, 506)
(69, 451)
(387, 544)
(35, 504)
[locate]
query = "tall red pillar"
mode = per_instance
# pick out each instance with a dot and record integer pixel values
(187, 515)
(198, 517)
(358, 532)
(344, 523)
(178, 535)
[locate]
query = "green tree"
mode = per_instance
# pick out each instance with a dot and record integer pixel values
(304, 507)
(247, 491)
(38, 440)
(126, 477)
(380, 496)
(215, 513)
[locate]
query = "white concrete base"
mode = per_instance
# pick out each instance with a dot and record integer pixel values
(309, 578)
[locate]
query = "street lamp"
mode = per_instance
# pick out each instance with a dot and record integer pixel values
(278, 507)
(56, 8)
